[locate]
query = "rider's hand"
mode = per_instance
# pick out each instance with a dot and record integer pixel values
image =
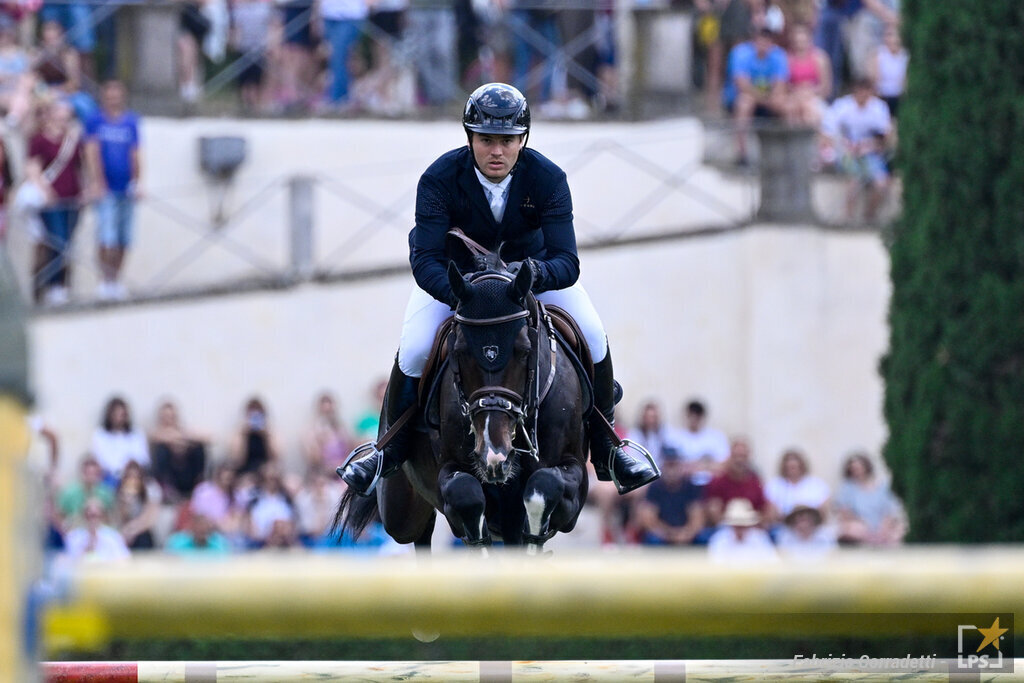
(516, 266)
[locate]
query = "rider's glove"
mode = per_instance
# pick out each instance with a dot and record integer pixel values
(516, 266)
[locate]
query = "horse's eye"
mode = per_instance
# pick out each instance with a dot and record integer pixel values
(522, 351)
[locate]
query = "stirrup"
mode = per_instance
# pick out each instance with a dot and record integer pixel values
(626, 445)
(361, 452)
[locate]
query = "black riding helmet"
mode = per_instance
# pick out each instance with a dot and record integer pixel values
(497, 109)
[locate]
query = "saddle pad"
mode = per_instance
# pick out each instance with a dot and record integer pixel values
(570, 331)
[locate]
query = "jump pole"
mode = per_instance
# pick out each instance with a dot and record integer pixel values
(656, 671)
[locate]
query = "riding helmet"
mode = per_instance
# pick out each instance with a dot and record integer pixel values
(497, 109)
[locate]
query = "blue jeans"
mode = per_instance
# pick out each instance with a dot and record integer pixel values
(341, 34)
(829, 37)
(115, 214)
(536, 33)
(60, 228)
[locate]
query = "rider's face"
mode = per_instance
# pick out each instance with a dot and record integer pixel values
(496, 154)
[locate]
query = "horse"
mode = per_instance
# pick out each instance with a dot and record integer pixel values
(500, 449)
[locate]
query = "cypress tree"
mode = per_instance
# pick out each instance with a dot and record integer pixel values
(954, 398)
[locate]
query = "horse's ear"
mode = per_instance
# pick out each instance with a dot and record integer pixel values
(520, 287)
(457, 282)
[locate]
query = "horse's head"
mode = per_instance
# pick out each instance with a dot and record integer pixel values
(491, 358)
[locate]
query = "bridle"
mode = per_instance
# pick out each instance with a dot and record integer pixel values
(521, 409)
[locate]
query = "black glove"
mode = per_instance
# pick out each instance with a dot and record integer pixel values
(516, 266)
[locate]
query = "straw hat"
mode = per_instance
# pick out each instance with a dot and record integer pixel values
(739, 512)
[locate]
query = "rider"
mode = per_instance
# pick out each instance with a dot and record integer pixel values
(499, 192)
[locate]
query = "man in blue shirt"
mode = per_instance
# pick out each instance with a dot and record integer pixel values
(755, 84)
(113, 151)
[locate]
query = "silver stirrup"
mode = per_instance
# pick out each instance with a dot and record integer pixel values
(629, 444)
(366, 450)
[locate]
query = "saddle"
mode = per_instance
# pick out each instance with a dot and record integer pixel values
(567, 333)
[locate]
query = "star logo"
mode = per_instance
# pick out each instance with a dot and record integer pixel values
(992, 634)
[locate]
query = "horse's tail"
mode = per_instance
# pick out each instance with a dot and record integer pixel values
(354, 514)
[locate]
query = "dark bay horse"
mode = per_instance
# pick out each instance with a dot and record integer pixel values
(501, 452)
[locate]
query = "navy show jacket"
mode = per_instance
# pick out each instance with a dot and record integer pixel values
(537, 222)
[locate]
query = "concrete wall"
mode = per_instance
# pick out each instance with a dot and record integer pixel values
(780, 329)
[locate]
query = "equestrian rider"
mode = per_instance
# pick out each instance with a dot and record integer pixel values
(500, 193)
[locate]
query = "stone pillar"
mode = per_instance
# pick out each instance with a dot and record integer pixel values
(300, 220)
(786, 154)
(148, 33)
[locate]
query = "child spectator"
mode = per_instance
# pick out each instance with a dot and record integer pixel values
(671, 512)
(179, 457)
(737, 480)
(795, 486)
(89, 486)
(327, 442)
(113, 148)
(858, 126)
(201, 536)
(810, 78)
(755, 85)
(94, 540)
(739, 541)
(116, 442)
(888, 70)
(137, 508)
(55, 166)
(867, 510)
(271, 503)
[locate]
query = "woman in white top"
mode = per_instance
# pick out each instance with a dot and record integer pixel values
(888, 69)
(795, 486)
(116, 442)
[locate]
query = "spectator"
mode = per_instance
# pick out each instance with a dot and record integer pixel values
(865, 33)
(250, 36)
(651, 432)
(810, 78)
(193, 27)
(315, 504)
(179, 457)
(867, 510)
(43, 461)
(327, 442)
(739, 540)
(137, 508)
(703, 448)
(342, 20)
(15, 76)
(271, 503)
(888, 70)
(6, 184)
(857, 126)
(201, 536)
(76, 22)
(89, 486)
(536, 36)
(298, 47)
(737, 480)
(254, 445)
(432, 32)
(755, 85)
(94, 540)
(58, 68)
(215, 499)
(804, 537)
(671, 512)
(55, 166)
(113, 147)
(368, 421)
(116, 442)
(795, 487)
(833, 19)
(282, 536)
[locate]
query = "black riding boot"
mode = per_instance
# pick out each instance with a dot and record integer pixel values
(612, 462)
(361, 474)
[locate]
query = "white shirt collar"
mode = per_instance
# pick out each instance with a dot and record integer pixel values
(493, 187)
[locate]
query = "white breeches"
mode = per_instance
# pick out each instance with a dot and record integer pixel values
(424, 315)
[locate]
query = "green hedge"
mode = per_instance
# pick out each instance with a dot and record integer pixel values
(954, 375)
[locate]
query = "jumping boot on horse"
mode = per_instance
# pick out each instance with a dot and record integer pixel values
(362, 474)
(612, 462)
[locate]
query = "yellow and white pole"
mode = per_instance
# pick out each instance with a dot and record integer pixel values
(19, 542)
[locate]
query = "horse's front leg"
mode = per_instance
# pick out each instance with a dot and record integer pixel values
(542, 494)
(464, 504)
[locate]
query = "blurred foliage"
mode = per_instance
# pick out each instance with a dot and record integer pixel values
(954, 375)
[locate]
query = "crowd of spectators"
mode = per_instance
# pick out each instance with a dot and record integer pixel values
(837, 66)
(711, 493)
(174, 489)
